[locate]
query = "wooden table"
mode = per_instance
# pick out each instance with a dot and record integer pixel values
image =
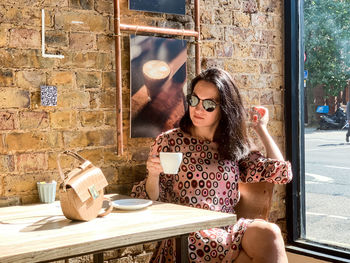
(40, 232)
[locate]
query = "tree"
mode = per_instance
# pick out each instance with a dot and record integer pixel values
(326, 39)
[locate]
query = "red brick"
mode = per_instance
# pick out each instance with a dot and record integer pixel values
(28, 162)
(33, 120)
(7, 120)
(25, 38)
(82, 41)
(7, 164)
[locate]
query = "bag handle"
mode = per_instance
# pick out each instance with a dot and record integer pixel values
(107, 210)
(73, 154)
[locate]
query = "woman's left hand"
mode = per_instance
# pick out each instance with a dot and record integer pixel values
(259, 117)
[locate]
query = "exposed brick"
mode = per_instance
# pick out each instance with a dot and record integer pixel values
(276, 128)
(33, 141)
(110, 118)
(91, 118)
(259, 51)
(271, 6)
(224, 49)
(56, 38)
(104, 6)
(7, 120)
(107, 99)
(141, 155)
(67, 162)
(61, 78)
(127, 259)
(14, 98)
(242, 50)
(2, 147)
(211, 32)
(82, 4)
(63, 119)
(82, 41)
(262, 20)
(88, 21)
(238, 35)
(7, 163)
(243, 66)
(73, 100)
(208, 49)
(82, 259)
(28, 162)
(105, 43)
(3, 34)
(30, 79)
(60, 3)
(267, 97)
(88, 80)
(222, 17)
(33, 120)
(108, 79)
(250, 6)
(8, 200)
(19, 58)
(269, 67)
(241, 19)
(275, 52)
(6, 78)
(25, 38)
(73, 139)
(207, 15)
(93, 155)
(143, 258)
(95, 60)
(24, 16)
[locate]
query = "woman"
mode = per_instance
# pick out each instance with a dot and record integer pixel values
(217, 154)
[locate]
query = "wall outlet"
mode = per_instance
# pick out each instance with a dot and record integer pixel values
(48, 95)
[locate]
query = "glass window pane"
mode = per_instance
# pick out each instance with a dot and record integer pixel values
(326, 94)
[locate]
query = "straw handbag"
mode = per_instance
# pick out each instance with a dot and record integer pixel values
(81, 191)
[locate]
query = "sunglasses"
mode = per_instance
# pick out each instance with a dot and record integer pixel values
(207, 104)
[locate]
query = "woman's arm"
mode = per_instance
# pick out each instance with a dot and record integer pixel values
(154, 169)
(259, 124)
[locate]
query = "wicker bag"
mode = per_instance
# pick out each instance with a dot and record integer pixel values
(81, 191)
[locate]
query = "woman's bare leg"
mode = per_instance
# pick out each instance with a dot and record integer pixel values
(262, 242)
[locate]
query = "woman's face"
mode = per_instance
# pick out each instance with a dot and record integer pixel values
(199, 116)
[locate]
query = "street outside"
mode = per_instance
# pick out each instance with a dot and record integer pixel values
(327, 186)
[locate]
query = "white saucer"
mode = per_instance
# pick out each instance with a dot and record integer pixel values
(131, 204)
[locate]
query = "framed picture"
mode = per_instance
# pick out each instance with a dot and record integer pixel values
(158, 84)
(159, 6)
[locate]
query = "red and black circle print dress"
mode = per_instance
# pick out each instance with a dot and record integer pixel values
(204, 181)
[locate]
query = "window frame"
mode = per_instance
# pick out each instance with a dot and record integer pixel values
(294, 134)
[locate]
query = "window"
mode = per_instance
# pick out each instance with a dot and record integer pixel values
(317, 40)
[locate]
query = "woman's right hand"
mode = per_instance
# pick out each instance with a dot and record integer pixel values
(154, 169)
(153, 165)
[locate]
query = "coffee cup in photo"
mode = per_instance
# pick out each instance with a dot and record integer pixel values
(155, 73)
(170, 162)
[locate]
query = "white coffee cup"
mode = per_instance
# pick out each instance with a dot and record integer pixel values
(170, 161)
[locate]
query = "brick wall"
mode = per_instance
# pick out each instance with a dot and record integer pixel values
(242, 36)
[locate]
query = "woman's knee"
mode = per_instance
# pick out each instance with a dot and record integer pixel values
(261, 230)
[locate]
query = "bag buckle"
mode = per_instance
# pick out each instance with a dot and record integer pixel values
(94, 193)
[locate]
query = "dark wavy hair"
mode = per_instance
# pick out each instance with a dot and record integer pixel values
(231, 134)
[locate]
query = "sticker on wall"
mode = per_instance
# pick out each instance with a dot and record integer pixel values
(157, 79)
(159, 6)
(48, 95)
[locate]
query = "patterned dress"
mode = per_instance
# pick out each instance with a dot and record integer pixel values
(204, 181)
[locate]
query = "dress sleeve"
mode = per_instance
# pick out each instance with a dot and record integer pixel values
(166, 193)
(257, 168)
